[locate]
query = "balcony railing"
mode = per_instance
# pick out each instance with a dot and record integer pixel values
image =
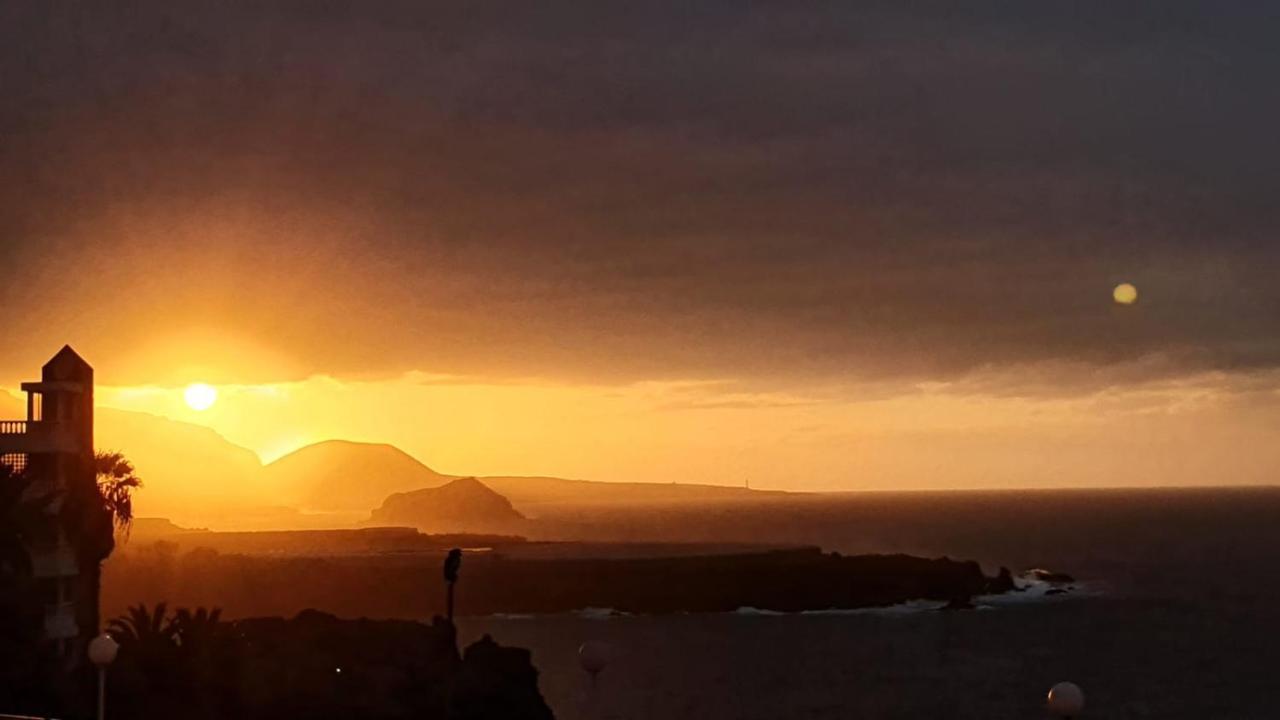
(13, 427)
(37, 436)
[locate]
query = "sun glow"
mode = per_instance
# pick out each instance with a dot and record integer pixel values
(200, 396)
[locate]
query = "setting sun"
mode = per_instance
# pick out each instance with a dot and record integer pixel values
(200, 396)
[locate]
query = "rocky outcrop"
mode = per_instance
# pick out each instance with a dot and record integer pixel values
(784, 581)
(496, 682)
(320, 666)
(1002, 582)
(463, 505)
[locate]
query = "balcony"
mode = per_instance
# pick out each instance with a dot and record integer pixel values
(36, 436)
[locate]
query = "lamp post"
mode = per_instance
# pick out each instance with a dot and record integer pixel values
(593, 656)
(452, 563)
(1066, 700)
(102, 652)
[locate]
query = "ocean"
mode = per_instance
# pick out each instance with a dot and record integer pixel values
(1175, 615)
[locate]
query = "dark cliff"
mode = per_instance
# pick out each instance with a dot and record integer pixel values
(790, 580)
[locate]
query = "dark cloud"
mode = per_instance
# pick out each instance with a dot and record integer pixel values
(659, 190)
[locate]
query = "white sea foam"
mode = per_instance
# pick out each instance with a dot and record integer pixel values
(909, 607)
(598, 613)
(1036, 590)
(751, 611)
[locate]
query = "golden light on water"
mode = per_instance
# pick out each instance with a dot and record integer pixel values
(200, 396)
(1125, 294)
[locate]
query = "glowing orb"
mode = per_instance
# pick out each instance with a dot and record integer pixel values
(200, 396)
(1066, 700)
(1125, 294)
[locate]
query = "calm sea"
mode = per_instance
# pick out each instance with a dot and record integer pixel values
(1182, 619)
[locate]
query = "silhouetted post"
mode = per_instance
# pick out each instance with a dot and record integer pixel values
(452, 562)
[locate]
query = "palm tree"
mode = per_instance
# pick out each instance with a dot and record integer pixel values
(92, 519)
(208, 655)
(147, 642)
(117, 480)
(149, 671)
(187, 661)
(143, 629)
(197, 631)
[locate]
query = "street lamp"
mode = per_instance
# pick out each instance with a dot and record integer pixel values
(102, 652)
(594, 656)
(1066, 700)
(452, 563)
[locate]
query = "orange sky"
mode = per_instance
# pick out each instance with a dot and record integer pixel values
(661, 243)
(1196, 431)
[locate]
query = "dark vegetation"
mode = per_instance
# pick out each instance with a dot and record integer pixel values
(192, 664)
(363, 541)
(31, 676)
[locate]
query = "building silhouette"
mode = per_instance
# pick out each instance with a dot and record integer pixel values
(54, 446)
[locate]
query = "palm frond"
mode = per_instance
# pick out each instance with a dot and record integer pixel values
(117, 479)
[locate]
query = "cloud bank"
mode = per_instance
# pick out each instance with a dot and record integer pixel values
(810, 195)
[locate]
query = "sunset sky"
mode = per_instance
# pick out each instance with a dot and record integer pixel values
(805, 245)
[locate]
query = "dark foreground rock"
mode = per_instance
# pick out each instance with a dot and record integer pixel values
(1002, 583)
(312, 667)
(319, 666)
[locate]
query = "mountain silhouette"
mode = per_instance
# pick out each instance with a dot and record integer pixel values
(462, 505)
(195, 477)
(345, 476)
(189, 472)
(12, 408)
(546, 496)
(182, 466)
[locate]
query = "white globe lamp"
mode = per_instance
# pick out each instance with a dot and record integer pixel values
(594, 657)
(102, 650)
(1066, 700)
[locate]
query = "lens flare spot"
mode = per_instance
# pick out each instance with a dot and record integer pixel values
(1125, 294)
